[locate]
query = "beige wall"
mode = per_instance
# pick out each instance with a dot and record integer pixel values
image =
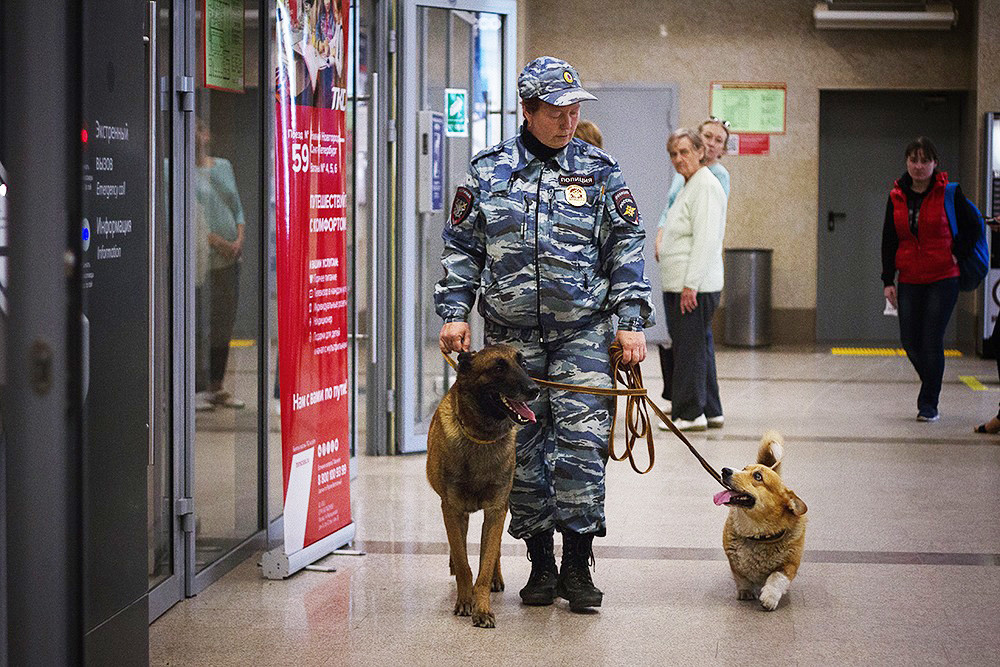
(774, 201)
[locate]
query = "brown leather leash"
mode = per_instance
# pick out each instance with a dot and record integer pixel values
(637, 422)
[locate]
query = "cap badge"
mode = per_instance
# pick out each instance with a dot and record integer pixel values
(567, 77)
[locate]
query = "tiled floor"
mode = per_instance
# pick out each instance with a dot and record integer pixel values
(902, 558)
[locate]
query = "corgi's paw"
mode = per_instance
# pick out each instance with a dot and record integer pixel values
(769, 598)
(773, 589)
(745, 594)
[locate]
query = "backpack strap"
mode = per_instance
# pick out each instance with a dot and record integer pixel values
(949, 207)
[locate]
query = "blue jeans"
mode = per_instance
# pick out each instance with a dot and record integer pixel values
(924, 311)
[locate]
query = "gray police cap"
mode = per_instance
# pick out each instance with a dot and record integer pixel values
(551, 80)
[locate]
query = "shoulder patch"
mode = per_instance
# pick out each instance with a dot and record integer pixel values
(625, 205)
(461, 206)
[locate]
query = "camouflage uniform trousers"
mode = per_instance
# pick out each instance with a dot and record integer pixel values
(559, 475)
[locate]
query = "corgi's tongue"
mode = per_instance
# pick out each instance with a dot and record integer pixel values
(523, 410)
(723, 497)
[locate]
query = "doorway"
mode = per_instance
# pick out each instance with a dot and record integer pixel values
(464, 48)
(862, 138)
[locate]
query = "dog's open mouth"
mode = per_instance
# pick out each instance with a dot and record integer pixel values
(730, 497)
(517, 410)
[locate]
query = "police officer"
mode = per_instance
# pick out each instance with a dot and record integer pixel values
(548, 231)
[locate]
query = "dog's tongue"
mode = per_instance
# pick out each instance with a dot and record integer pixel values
(523, 410)
(722, 497)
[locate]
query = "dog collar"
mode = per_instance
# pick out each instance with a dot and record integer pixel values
(465, 431)
(766, 538)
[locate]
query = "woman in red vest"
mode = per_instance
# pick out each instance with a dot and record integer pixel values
(917, 242)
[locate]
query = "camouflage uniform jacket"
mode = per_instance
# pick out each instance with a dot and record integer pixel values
(554, 245)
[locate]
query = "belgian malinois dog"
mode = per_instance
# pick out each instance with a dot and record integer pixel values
(470, 464)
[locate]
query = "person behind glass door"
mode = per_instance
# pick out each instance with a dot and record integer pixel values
(714, 133)
(918, 244)
(545, 225)
(689, 250)
(219, 201)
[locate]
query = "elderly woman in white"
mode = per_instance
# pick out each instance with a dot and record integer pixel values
(689, 250)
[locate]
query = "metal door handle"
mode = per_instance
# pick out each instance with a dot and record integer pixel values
(151, 213)
(831, 219)
(373, 241)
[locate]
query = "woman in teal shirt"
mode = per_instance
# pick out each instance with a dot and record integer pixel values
(221, 215)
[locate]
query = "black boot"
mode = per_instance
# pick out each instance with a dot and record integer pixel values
(541, 587)
(574, 584)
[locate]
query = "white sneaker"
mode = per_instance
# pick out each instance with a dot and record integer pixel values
(716, 422)
(699, 423)
(203, 402)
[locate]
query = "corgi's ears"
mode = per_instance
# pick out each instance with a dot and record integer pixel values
(795, 504)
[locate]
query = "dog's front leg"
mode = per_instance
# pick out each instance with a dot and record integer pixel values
(774, 588)
(744, 588)
(456, 523)
(489, 560)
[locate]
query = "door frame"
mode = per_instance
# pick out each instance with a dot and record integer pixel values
(401, 401)
(173, 589)
(831, 102)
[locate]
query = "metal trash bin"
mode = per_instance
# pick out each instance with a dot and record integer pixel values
(747, 296)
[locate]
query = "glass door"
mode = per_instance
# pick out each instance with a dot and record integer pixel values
(463, 70)
(165, 538)
(228, 224)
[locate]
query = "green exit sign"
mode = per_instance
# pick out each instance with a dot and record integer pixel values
(456, 112)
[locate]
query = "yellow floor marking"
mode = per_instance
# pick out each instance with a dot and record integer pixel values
(880, 352)
(242, 342)
(972, 383)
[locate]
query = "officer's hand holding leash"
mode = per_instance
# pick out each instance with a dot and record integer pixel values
(633, 346)
(455, 337)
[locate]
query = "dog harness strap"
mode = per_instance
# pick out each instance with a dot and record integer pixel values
(637, 422)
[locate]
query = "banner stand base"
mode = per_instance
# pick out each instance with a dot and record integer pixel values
(276, 564)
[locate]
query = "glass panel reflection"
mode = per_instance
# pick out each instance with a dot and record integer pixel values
(227, 236)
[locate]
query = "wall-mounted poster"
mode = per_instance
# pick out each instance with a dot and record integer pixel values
(752, 108)
(223, 52)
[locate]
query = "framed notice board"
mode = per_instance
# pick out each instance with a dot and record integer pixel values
(757, 108)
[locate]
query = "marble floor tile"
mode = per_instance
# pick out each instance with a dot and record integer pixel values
(902, 563)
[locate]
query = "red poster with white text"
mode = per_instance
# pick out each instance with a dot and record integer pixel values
(310, 141)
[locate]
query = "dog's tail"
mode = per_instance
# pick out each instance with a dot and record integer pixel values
(771, 451)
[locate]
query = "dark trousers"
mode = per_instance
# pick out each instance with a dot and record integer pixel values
(924, 311)
(695, 388)
(224, 284)
(667, 368)
(995, 344)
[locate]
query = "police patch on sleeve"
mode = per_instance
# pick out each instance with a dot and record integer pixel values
(625, 205)
(461, 206)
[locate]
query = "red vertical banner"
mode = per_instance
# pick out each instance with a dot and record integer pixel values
(310, 143)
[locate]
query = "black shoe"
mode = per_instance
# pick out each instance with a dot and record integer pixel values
(574, 584)
(541, 587)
